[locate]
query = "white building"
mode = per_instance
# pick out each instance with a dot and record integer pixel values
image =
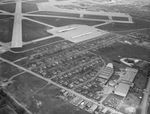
(124, 85)
(129, 75)
(107, 71)
(77, 33)
(122, 89)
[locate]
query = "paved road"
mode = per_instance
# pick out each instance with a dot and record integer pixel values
(144, 104)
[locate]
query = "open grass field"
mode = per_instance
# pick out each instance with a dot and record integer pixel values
(27, 89)
(12, 56)
(24, 87)
(95, 17)
(7, 110)
(37, 1)
(28, 7)
(140, 81)
(57, 13)
(8, 7)
(147, 31)
(10, 1)
(135, 52)
(5, 16)
(129, 51)
(50, 104)
(138, 24)
(7, 71)
(32, 31)
(131, 100)
(58, 22)
(6, 27)
(123, 50)
(120, 18)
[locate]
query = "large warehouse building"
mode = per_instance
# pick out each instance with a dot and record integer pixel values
(124, 85)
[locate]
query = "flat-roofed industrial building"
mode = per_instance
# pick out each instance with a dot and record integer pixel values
(130, 74)
(107, 71)
(122, 89)
(124, 85)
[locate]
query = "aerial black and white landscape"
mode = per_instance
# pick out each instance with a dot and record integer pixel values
(74, 57)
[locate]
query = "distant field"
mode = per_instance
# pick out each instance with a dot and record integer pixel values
(147, 31)
(5, 16)
(8, 7)
(57, 14)
(37, 1)
(146, 7)
(132, 51)
(37, 44)
(58, 22)
(105, 50)
(120, 18)
(138, 24)
(123, 50)
(95, 17)
(32, 30)
(6, 27)
(7, 1)
(28, 7)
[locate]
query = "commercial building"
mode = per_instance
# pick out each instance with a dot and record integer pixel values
(122, 89)
(107, 71)
(124, 85)
(129, 75)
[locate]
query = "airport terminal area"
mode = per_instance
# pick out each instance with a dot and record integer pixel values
(74, 57)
